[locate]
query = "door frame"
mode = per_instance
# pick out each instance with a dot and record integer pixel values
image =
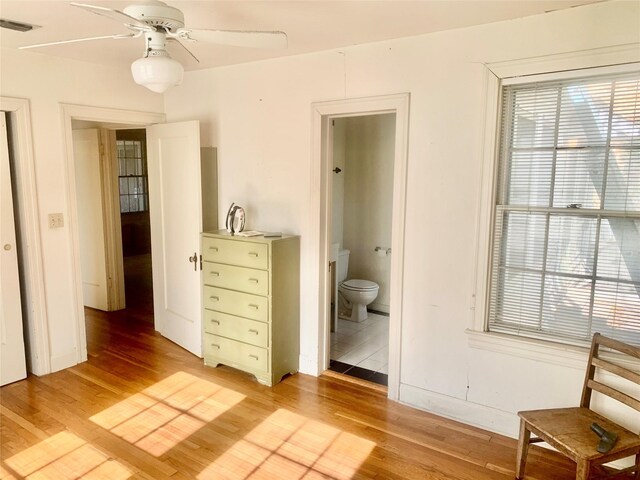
(126, 118)
(36, 322)
(321, 198)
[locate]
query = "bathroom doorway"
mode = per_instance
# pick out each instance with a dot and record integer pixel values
(323, 115)
(362, 197)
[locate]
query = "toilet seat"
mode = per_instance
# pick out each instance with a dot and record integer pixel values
(359, 285)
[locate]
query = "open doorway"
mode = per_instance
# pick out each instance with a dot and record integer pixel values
(108, 121)
(112, 208)
(113, 220)
(324, 114)
(362, 196)
(179, 172)
(133, 189)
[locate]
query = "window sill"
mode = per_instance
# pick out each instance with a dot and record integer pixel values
(541, 350)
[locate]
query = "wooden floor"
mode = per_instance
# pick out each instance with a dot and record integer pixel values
(142, 407)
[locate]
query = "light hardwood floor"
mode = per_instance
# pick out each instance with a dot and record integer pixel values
(142, 407)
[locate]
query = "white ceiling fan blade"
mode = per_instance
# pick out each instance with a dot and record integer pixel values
(237, 38)
(76, 40)
(174, 41)
(116, 15)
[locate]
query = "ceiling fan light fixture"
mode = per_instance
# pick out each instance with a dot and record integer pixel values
(157, 71)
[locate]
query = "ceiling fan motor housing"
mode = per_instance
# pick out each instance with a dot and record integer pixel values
(157, 14)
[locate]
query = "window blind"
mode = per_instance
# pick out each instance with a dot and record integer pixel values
(566, 245)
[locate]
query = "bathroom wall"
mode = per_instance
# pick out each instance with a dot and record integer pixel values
(369, 143)
(337, 204)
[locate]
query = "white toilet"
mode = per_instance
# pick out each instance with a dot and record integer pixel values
(356, 294)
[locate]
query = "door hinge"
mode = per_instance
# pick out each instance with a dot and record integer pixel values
(200, 262)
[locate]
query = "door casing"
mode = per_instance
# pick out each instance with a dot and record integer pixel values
(13, 366)
(321, 183)
(36, 322)
(125, 118)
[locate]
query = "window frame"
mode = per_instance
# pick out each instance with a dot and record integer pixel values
(135, 135)
(602, 61)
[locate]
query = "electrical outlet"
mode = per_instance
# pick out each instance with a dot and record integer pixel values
(56, 220)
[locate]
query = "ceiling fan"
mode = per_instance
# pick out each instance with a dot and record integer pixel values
(160, 24)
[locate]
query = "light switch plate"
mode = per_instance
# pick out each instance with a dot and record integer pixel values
(56, 220)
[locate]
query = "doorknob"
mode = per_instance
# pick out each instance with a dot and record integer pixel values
(194, 259)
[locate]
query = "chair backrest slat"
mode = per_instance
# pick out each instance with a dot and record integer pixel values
(613, 393)
(617, 369)
(619, 346)
(590, 384)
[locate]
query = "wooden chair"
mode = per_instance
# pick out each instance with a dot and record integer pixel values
(569, 429)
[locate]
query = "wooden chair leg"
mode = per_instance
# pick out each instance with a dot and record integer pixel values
(523, 449)
(637, 477)
(583, 470)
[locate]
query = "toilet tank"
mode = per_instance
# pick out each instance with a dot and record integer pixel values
(343, 264)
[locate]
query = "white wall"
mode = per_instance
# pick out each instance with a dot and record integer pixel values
(258, 115)
(46, 82)
(368, 199)
(337, 200)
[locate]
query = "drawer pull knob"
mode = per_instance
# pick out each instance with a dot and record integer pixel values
(217, 322)
(253, 254)
(215, 299)
(253, 330)
(215, 274)
(255, 357)
(215, 346)
(253, 280)
(254, 306)
(215, 249)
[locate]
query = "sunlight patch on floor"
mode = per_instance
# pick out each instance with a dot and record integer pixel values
(288, 445)
(63, 456)
(168, 412)
(5, 475)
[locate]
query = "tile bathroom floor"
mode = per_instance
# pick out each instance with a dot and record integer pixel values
(362, 349)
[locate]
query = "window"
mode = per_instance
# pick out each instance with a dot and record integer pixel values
(566, 240)
(132, 176)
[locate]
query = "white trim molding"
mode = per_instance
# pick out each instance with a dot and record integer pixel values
(122, 118)
(569, 61)
(37, 326)
(543, 351)
(607, 60)
(481, 416)
(321, 178)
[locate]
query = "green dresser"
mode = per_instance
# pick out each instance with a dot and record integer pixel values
(251, 296)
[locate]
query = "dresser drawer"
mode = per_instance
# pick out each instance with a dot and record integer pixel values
(234, 252)
(236, 303)
(237, 328)
(233, 353)
(236, 278)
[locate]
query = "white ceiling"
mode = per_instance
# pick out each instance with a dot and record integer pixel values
(311, 25)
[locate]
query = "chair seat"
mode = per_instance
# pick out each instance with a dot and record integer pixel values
(569, 430)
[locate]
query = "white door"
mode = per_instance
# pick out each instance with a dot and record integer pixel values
(12, 358)
(86, 154)
(173, 155)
